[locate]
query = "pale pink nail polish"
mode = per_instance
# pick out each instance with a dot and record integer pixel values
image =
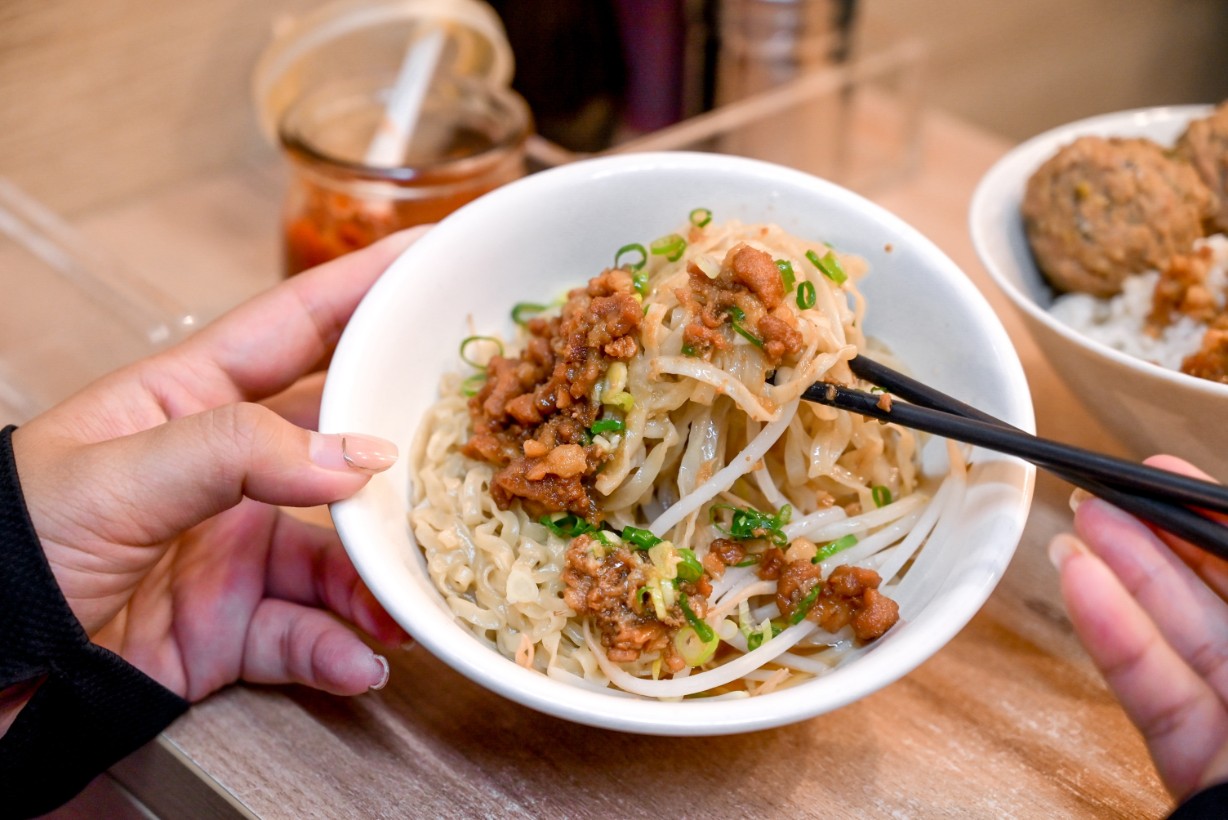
(352, 451)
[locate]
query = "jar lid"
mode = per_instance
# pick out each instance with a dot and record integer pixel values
(353, 38)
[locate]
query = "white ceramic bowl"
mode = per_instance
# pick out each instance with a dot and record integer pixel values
(554, 230)
(1149, 408)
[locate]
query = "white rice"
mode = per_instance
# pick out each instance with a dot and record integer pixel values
(1119, 321)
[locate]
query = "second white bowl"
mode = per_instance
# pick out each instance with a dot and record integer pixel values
(1149, 408)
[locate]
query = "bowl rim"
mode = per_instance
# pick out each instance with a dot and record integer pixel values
(609, 708)
(998, 183)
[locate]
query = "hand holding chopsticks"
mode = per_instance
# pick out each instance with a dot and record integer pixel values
(1157, 496)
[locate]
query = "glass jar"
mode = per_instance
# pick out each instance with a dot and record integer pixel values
(470, 139)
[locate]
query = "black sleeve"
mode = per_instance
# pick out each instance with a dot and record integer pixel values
(92, 708)
(1209, 804)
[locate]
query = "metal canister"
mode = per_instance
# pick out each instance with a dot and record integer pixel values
(767, 43)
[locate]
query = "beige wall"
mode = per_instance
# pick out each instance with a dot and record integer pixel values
(1018, 67)
(104, 98)
(100, 99)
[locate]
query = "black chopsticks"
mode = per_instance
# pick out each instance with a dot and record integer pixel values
(1157, 496)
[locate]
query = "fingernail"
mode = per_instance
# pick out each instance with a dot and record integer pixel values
(384, 673)
(352, 451)
(1078, 497)
(1062, 547)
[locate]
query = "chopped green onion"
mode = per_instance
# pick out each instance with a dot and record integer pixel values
(698, 624)
(568, 525)
(603, 537)
(601, 426)
(688, 350)
(634, 247)
(786, 273)
(803, 607)
(664, 558)
(881, 495)
(806, 295)
(829, 265)
(700, 217)
(689, 568)
(744, 623)
(621, 399)
(736, 316)
(669, 592)
(693, 648)
(755, 639)
(473, 384)
(615, 377)
(470, 340)
(639, 281)
(828, 550)
(522, 310)
(671, 246)
(747, 335)
(748, 561)
(657, 596)
(748, 523)
(641, 539)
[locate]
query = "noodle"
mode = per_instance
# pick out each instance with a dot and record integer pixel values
(637, 498)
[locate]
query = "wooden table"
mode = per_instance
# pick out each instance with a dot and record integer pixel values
(1009, 720)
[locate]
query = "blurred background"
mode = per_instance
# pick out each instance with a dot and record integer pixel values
(1019, 68)
(143, 190)
(104, 99)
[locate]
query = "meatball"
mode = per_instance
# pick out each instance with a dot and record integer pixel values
(1205, 146)
(1104, 208)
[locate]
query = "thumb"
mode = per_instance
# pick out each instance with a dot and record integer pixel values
(178, 474)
